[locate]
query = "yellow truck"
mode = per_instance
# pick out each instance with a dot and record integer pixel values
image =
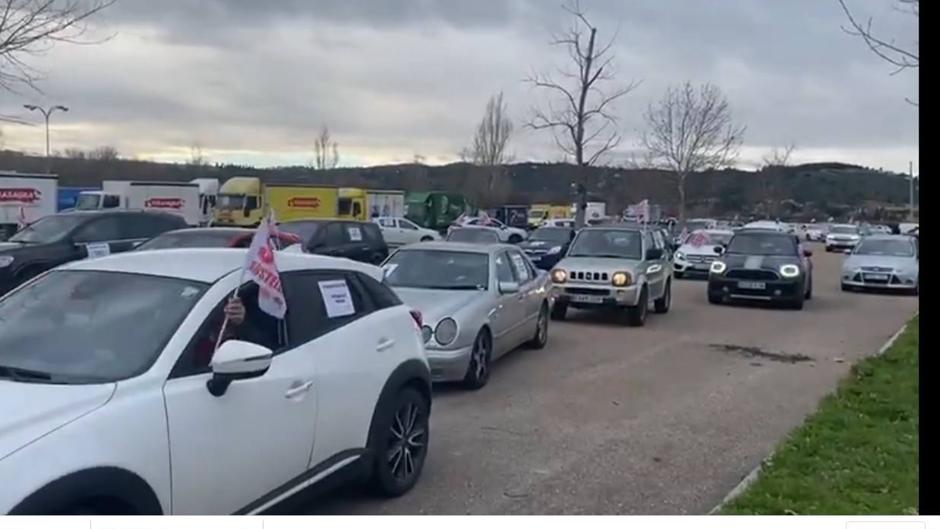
(243, 201)
(539, 213)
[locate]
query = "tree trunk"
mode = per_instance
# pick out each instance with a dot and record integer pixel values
(682, 198)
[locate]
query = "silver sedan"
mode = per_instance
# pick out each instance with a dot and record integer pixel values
(889, 262)
(477, 302)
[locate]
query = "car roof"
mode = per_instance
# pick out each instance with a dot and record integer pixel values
(460, 246)
(210, 264)
(106, 212)
(764, 231)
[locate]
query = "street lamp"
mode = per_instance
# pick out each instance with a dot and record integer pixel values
(45, 114)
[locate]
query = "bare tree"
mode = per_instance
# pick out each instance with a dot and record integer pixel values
(490, 142)
(325, 151)
(580, 114)
(779, 156)
(31, 27)
(690, 130)
(897, 55)
(103, 153)
(74, 153)
(774, 164)
(196, 156)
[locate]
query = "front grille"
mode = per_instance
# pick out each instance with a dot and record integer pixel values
(882, 269)
(587, 291)
(700, 258)
(589, 276)
(757, 275)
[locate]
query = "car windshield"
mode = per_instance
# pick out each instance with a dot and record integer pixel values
(852, 230)
(76, 326)
(885, 247)
(47, 229)
(707, 238)
(209, 238)
(473, 236)
(621, 244)
(697, 225)
(231, 201)
(304, 230)
(87, 201)
(761, 244)
(438, 269)
(557, 235)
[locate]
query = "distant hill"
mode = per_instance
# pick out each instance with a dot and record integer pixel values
(804, 190)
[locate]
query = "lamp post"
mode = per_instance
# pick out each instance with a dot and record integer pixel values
(45, 114)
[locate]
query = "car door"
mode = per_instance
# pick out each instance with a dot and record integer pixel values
(356, 245)
(227, 453)
(509, 313)
(102, 236)
(529, 292)
(655, 268)
(391, 231)
(410, 232)
(331, 240)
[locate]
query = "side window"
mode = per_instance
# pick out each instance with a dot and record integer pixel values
(504, 272)
(382, 296)
(658, 240)
(321, 302)
(99, 230)
(387, 223)
(145, 226)
(344, 207)
(407, 225)
(520, 268)
(334, 234)
(251, 202)
(110, 201)
(372, 233)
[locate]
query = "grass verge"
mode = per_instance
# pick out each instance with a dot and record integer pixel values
(858, 454)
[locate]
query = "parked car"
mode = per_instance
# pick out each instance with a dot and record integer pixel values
(506, 233)
(212, 238)
(398, 231)
(474, 234)
(613, 267)
(772, 225)
(546, 246)
(763, 265)
(478, 302)
(843, 237)
(558, 223)
(889, 262)
(357, 240)
(64, 237)
(109, 381)
(697, 251)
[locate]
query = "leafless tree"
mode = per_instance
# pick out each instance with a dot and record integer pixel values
(580, 112)
(196, 156)
(325, 151)
(31, 27)
(689, 130)
(773, 165)
(104, 153)
(74, 153)
(779, 156)
(897, 55)
(490, 142)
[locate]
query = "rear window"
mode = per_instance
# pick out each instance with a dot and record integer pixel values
(304, 229)
(372, 233)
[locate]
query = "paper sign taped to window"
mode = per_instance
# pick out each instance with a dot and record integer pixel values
(336, 298)
(98, 249)
(521, 270)
(355, 234)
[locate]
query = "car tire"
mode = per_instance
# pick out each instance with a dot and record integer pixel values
(515, 239)
(846, 288)
(636, 316)
(478, 369)
(427, 238)
(401, 443)
(828, 249)
(677, 274)
(560, 311)
(715, 299)
(540, 340)
(662, 305)
(809, 290)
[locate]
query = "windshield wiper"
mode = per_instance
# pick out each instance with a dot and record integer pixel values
(18, 374)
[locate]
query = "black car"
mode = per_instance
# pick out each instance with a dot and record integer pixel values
(546, 246)
(359, 241)
(762, 265)
(58, 239)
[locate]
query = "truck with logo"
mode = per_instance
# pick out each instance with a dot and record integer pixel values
(539, 213)
(180, 198)
(25, 198)
(436, 210)
(244, 200)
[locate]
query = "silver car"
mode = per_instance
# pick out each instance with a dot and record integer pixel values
(843, 237)
(616, 267)
(477, 301)
(883, 262)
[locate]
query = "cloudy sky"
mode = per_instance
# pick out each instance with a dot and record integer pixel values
(253, 81)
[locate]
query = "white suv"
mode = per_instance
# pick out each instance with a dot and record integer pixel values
(112, 401)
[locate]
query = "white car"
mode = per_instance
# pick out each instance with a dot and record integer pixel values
(843, 237)
(399, 231)
(558, 223)
(767, 225)
(507, 234)
(112, 400)
(697, 251)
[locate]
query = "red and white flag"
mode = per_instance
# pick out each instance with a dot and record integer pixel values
(698, 239)
(261, 268)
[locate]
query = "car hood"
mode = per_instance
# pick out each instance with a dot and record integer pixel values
(10, 247)
(30, 411)
(759, 262)
(536, 244)
(597, 263)
(886, 261)
(706, 249)
(436, 304)
(843, 236)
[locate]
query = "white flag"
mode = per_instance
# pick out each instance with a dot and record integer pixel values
(261, 267)
(21, 219)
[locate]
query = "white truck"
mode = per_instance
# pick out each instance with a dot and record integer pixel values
(385, 203)
(181, 198)
(25, 198)
(208, 194)
(595, 211)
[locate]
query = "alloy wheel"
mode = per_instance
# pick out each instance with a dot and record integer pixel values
(407, 441)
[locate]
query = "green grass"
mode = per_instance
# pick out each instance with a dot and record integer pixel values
(857, 454)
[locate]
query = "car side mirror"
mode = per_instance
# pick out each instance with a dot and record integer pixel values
(653, 254)
(237, 360)
(807, 253)
(508, 287)
(719, 249)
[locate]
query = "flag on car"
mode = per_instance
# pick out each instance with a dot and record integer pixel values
(261, 268)
(698, 239)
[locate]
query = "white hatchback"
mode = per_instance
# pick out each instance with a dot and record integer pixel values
(398, 231)
(113, 402)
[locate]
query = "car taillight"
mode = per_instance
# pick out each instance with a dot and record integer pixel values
(416, 315)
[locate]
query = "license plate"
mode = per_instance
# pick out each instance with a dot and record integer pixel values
(701, 267)
(877, 277)
(581, 298)
(752, 285)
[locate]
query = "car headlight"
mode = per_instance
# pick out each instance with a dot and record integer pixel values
(446, 331)
(680, 255)
(789, 270)
(554, 249)
(718, 267)
(426, 333)
(6, 260)
(559, 275)
(620, 279)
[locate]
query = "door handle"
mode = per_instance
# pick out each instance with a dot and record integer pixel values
(298, 388)
(384, 344)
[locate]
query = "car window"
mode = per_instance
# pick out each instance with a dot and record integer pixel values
(100, 229)
(144, 226)
(354, 232)
(504, 273)
(335, 235)
(382, 296)
(110, 201)
(321, 302)
(387, 223)
(519, 267)
(372, 233)
(407, 225)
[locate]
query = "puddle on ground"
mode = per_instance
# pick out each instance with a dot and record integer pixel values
(757, 352)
